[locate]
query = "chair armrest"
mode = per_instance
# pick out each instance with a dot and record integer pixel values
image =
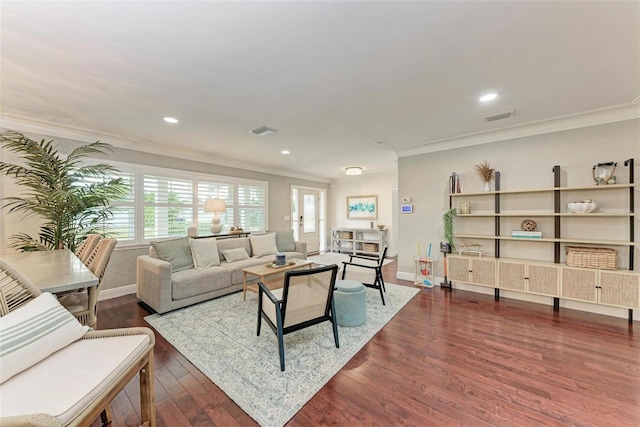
(358, 265)
(370, 258)
(302, 248)
(153, 277)
(271, 296)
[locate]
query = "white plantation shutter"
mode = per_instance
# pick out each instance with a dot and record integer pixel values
(252, 206)
(168, 206)
(214, 190)
(164, 203)
(122, 224)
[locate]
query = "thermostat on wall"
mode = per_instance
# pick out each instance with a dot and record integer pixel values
(406, 200)
(406, 208)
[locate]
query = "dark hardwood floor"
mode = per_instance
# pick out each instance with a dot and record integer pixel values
(448, 358)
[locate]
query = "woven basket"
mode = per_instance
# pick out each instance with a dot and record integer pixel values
(345, 234)
(370, 247)
(601, 258)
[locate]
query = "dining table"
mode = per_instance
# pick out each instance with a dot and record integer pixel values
(52, 271)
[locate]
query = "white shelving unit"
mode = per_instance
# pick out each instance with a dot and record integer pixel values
(358, 241)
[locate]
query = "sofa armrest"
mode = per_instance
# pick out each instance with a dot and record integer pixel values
(153, 278)
(302, 248)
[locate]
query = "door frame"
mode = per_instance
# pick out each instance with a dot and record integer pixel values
(322, 213)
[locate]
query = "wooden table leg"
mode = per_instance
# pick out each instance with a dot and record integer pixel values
(244, 285)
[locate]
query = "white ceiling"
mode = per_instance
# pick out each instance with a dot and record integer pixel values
(332, 77)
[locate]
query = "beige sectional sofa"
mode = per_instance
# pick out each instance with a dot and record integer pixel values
(185, 271)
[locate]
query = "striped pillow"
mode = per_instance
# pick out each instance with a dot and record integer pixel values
(33, 332)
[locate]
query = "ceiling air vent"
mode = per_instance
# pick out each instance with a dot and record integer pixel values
(263, 131)
(499, 116)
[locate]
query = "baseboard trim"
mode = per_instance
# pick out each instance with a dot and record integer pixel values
(118, 292)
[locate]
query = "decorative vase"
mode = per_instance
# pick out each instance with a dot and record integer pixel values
(487, 186)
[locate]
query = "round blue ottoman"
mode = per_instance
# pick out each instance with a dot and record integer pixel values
(350, 299)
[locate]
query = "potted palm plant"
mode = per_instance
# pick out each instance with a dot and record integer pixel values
(70, 197)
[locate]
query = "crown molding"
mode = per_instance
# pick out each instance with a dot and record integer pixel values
(600, 116)
(25, 125)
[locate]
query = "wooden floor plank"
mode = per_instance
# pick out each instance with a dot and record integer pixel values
(448, 358)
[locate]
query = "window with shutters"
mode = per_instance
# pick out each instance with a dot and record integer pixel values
(165, 203)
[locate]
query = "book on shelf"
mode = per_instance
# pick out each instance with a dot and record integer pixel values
(455, 183)
(526, 234)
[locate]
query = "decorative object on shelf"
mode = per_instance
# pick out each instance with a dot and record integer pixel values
(528, 225)
(582, 206)
(589, 257)
(485, 171)
(455, 183)
(381, 226)
(236, 229)
(603, 173)
(362, 207)
(216, 206)
(447, 219)
(464, 208)
(470, 248)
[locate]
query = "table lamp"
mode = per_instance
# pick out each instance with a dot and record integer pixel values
(215, 206)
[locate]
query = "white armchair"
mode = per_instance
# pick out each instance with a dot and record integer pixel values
(54, 371)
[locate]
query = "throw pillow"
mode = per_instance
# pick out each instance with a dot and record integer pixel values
(33, 332)
(175, 251)
(285, 242)
(263, 245)
(205, 252)
(237, 254)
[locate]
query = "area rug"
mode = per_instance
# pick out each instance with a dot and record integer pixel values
(219, 338)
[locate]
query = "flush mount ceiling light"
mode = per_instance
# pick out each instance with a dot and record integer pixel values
(285, 152)
(488, 97)
(353, 170)
(263, 131)
(170, 120)
(378, 143)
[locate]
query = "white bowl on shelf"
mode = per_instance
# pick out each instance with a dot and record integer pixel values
(582, 207)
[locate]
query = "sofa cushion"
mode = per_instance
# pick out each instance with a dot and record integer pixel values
(70, 379)
(285, 242)
(175, 251)
(237, 254)
(34, 331)
(237, 276)
(263, 245)
(233, 243)
(205, 252)
(192, 282)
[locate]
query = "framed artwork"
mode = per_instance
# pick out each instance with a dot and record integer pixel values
(362, 207)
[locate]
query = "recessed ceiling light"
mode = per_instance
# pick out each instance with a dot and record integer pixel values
(170, 120)
(285, 151)
(353, 170)
(488, 97)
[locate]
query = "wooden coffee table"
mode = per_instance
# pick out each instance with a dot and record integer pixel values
(262, 271)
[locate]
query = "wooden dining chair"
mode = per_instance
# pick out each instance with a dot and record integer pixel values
(83, 305)
(83, 252)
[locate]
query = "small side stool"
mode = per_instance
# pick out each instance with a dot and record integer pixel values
(350, 298)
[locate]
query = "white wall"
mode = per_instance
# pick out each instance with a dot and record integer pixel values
(381, 185)
(524, 163)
